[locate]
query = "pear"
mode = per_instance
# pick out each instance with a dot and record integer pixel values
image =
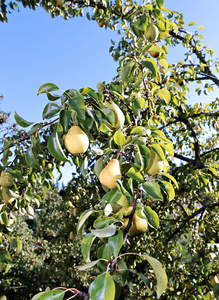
(155, 54)
(214, 280)
(139, 225)
(155, 165)
(6, 179)
(181, 81)
(119, 116)
(151, 32)
(110, 174)
(59, 3)
(6, 197)
(76, 141)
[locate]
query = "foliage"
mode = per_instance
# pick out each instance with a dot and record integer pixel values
(179, 199)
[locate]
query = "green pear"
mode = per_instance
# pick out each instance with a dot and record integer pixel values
(139, 225)
(214, 280)
(151, 33)
(76, 141)
(6, 179)
(119, 116)
(155, 54)
(181, 81)
(110, 174)
(155, 165)
(6, 196)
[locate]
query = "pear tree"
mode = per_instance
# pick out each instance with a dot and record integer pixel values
(125, 133)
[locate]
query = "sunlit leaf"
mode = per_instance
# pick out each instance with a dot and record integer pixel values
(55, 147)
(47, 87)
(20, 121)
(160, 274)
(165, 95)
(83, 217)
(119, 137)
(116, 242)
(152, 217)
(168, 189)
(153, 189)
(102, 288)
(104, 232)
(86, 244)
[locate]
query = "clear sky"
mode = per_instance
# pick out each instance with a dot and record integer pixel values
(36, 49)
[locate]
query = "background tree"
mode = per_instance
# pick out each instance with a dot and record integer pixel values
(152, 94)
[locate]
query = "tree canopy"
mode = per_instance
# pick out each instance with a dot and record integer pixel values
(145, 195)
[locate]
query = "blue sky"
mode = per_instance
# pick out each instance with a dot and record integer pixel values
(36, 49)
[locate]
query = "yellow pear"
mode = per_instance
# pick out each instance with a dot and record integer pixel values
(6, 179)
(59, 3)
(6, 197)
(119, 116)
(76, 141)
(110, 174)
(155, 54)
(155, 165)
(139, 225)
(151, 32)
(214, 280)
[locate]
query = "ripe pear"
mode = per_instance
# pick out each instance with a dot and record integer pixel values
(139, 225)
(6, 197)
(59, 3)
(76, 141)
(151, 33)
(155, 165)
(119, 116)
(214, 280)
(155, 54)
(110, 174)
(6, 179)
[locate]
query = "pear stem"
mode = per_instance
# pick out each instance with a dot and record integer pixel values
(118, 154)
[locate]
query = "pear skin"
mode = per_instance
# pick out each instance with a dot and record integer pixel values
(214, 280)
(110, 174)
(124, 202)
(59, 3)
(76, 141)
(155, 165)
(151, 32)
(119, 116)
(6, 179)
(155, 54)
(6, 197)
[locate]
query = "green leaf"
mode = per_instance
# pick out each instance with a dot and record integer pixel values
(150, 64)
(156, 49)
(126, 70)
(31, 158)
(116, 242)
(55, 147)
(52, 295)
(104, 252)
(83, 217)
(119, 137)
(53, 97)
(145, 153)
(47, 87)
(160, 3)
(65, 118)
(123, 271)
(157, 148)
(20, 121)
(168, 189)
(160, 274)
(153, 189)
(104, 232)
(50, 110)
(102, 288)
(102, 221)
(142, 22)
(165, 95)
(86, 244)
(133, 173)
(77, 104)
(88, 265)
(152, 217)
(4, 218)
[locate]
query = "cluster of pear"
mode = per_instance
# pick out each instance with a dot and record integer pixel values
(77, 142)
(6, 181)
